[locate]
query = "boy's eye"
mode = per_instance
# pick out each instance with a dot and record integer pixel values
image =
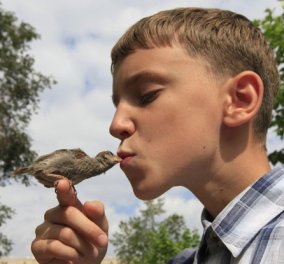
(148, 97)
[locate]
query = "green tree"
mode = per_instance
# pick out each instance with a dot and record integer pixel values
(5, 243)
(273, 28)
(20, 87)
(148, 238)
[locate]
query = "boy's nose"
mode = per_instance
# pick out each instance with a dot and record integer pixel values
(121, 126)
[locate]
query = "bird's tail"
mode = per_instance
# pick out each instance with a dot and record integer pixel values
(20, 170)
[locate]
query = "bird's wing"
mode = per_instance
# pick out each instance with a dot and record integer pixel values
(56, 152)
(76, 153)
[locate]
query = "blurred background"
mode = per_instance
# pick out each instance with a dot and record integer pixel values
(74, 50)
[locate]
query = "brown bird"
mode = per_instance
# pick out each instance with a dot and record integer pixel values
(73, 164)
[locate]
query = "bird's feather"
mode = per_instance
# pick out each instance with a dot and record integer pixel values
(73, 164)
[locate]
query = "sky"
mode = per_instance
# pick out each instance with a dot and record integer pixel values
(74, 48)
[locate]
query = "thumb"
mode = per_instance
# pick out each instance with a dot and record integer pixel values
(66, 194)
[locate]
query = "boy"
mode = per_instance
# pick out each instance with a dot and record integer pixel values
(193, 90)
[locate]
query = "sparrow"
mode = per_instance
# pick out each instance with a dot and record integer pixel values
(72, 164)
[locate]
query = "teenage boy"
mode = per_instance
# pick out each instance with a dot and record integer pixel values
(194, 91)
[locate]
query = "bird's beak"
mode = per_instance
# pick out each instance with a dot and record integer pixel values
(117, 159)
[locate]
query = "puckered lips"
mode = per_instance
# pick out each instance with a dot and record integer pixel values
(126, 158)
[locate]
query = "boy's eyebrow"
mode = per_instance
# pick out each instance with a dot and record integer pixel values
(145, 76)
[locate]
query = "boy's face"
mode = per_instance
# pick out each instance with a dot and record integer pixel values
(168, 118)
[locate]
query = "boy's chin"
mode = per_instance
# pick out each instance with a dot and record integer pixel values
(147, 192)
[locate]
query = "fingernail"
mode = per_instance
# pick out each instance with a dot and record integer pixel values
(102, 240)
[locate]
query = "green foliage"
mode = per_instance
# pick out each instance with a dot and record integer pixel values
(5, 243)
(144, 239)
(20, 87)
(273, 28)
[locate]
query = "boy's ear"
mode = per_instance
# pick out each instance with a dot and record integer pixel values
(244, 93)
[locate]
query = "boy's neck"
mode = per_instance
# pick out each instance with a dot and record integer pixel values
(232, 177)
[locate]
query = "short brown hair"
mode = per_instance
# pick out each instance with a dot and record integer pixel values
(228, 41)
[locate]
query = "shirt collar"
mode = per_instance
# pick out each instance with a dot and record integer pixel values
(249, 212)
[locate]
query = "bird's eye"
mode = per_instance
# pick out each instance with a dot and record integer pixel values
(148, 98)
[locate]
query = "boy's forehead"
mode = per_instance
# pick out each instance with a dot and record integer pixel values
(153, 63)
(147, 60)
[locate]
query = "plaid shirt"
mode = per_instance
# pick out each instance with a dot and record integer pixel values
(250, 229)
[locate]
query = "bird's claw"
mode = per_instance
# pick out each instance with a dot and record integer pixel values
(55, 185)
(74, 189)
(70, 183)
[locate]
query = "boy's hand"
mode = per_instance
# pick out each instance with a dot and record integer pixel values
(71, 232)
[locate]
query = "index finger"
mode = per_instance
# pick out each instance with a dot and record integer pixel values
(66, 194)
